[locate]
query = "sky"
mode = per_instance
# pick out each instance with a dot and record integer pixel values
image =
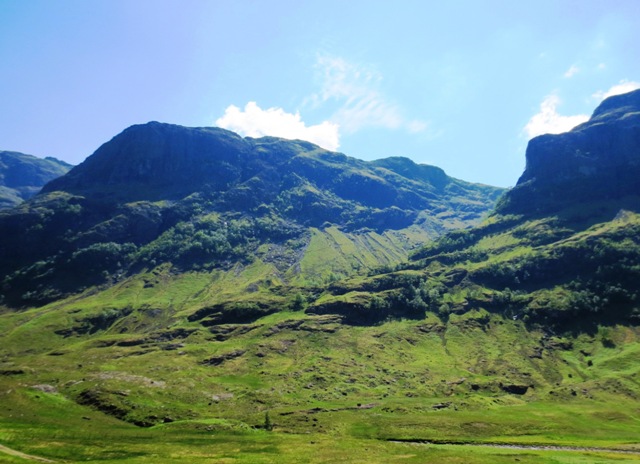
(462, 85)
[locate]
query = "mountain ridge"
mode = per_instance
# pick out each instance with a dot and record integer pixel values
(193, 197)
(215, 159)
(22, 176)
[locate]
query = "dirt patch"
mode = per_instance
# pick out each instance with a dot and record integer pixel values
(19, 454)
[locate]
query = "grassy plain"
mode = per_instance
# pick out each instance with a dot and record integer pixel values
(333, 393)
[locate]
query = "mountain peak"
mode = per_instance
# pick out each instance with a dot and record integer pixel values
(157, 157)
(618, 106)
(597, 160)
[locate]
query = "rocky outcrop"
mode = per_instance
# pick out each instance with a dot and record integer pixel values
(145, 158)
(597, 160)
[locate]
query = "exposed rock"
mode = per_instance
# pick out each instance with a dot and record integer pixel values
(537, 353)
(515, 388)
(126, 377)
(11, 371)
(221, 397)
(555, 343)
(326, 323)
(431, 327)
(45, 388)
(132, 342)
(100, 400)
(173, 346)
(441, 405)
(230, 313)
(217, 360)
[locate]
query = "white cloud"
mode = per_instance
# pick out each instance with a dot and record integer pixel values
(572, 71)
(253, 121)
(417, 126)
(623, 86)
(360, 104)
(548, 121)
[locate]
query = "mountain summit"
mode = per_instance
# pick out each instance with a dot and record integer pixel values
(596, 160)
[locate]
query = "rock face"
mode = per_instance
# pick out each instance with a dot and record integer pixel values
(22, 176)
(597, 160)
(146, 158)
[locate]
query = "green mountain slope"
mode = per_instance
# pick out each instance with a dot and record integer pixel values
(207, 199)
(562, 249)
(22, 176)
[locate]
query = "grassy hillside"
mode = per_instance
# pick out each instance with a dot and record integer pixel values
(253, 368)
(202, 392)
(271, 362)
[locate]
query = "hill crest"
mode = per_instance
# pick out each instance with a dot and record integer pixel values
(596, 160)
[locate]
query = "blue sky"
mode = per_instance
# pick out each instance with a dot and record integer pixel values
(459, 84)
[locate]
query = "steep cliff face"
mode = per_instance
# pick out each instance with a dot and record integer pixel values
(599, 159)
(158, 160)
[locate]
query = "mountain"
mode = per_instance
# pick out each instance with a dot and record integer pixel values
(596, 160)
(157, 161)
(22, 176)
(561, 250)
(208, 199)
(147, 320)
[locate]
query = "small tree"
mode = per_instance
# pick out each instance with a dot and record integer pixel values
(267, 422)
(299, 302)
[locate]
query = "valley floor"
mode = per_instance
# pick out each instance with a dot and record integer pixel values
(292, 387)
(159, 446)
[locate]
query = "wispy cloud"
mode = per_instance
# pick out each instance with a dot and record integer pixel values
(549, 121)
(349, 92)
(254, 121)
(572, 71)
(623, 86)
(355, 89)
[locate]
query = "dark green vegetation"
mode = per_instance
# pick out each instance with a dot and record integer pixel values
(207, 199)
(22, 176)
(239, 333)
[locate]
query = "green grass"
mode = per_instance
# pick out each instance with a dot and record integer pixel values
(88, 436)
(331, 395)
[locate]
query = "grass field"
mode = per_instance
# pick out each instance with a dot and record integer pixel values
(333, 393)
